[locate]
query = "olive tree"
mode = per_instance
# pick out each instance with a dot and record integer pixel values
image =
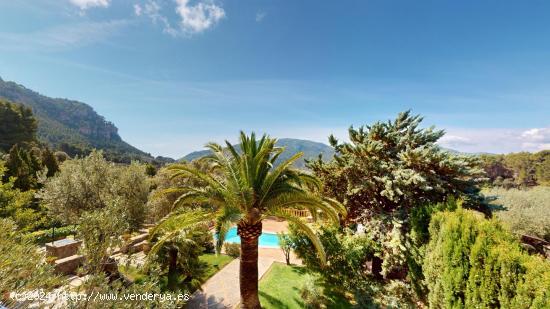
(91, 183)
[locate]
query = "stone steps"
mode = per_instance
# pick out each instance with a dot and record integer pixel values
(68, 265)
(139, 238)
(140, 246)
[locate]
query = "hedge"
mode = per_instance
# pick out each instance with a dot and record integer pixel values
(472, 262)
(44, 236)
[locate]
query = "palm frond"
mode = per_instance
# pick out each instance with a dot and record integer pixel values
(185, 170)
(178, 221)
(276, 174)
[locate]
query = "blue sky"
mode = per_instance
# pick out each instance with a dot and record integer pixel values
(175, 74)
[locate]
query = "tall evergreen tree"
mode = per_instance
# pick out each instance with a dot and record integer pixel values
(389, 168)
(24, 163)
(17, 125)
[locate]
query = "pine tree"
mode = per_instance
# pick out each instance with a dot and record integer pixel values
(17, 125)
(389, 168)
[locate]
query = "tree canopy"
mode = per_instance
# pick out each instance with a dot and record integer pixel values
(392, 166)
(521, 169)
(92, 183)
(387, 170)
(17, 125)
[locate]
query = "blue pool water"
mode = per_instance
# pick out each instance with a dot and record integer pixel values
(266, 239)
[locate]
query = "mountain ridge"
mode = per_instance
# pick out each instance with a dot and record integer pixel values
(71, 125)
(310, 149)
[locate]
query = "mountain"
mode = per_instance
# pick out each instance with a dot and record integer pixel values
(72, 126)
(310, 149)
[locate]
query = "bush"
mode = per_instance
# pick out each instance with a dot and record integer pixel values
(232, 249)
(524, 211)
(474, 262)
(346, 255)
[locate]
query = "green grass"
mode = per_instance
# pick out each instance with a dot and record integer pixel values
(215, 263)
(132, 273)
(280, 288)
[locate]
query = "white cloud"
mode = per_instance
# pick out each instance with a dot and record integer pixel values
(260, 16)
(194, 17)
(454, 141)
(61, 38)
(198, 17)
(536, 139)
(496, 140)
(152, 9)
(137, 9)
(86, 4)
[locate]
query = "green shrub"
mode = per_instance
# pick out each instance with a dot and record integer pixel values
(232, 249)
(474, 262)
(346, 255)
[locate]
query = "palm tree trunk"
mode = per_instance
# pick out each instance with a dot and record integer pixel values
(248, 277)
(172, 269)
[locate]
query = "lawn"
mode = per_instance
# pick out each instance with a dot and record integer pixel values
(215, 263)
(280, 288)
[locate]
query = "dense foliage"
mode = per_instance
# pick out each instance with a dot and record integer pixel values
(21, 267)
(92, 183)
(346, 252)
(473, 262)
(99, 229)
(19, 205)
(522, 169)
(26, 162)
(43, 236)
(162, 197)
(100, 284)
(17, 125)
(525, 211)
(387, 170)
(178, 242)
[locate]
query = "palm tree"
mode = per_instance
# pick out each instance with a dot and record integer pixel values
(246, 188)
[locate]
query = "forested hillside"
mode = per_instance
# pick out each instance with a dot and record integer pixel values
(71, 126)
(521, 169)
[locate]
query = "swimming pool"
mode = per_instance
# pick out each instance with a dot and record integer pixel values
(266, 239)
